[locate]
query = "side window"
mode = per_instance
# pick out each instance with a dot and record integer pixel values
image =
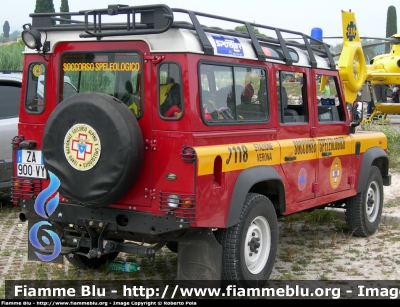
(9, 99)
(217, 96)
(35, 97)
(205, 84)
(170, 91)
(330, 109)
(233, 94)
(251, 84)
(292, 97)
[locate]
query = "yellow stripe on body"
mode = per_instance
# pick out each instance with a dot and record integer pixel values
(244, 155)
(337, 145)
(301, 149)
(237, 156)
(370, 139)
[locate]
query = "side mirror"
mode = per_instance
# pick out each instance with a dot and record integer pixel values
(356, 115)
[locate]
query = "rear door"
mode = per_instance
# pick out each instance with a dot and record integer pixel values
(334, 143)
(298, 147)
(118, 70)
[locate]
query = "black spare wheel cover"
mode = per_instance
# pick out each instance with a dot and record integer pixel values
(93, 143)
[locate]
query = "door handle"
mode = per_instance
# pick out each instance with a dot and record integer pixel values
(290, 158)
(327, 154)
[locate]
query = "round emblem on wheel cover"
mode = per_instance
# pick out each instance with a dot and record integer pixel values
(82, 147)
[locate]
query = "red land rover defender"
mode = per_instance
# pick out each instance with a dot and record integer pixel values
(175, 132)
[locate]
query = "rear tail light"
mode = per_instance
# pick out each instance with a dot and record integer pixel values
(182, 206)
(16, 141)
(27, 186)
(25, 189)
(187, 203)
(17, 185)
(188, 154)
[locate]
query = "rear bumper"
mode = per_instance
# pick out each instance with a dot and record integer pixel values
(111, 219)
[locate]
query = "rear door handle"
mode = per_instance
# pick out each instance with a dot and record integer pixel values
(290, 158)
(327, 154)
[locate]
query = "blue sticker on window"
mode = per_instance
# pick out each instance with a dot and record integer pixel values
(327, 101)
(229, 46)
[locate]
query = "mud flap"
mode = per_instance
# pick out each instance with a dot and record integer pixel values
(199, 256)
(41, 234)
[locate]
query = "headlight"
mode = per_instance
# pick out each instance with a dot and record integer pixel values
(31, 37)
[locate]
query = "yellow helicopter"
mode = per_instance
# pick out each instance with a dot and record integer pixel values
(354, 71)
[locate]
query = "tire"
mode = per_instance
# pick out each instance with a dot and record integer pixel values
(86, 263)
(246, 260)
(364, 210)
(99, 120)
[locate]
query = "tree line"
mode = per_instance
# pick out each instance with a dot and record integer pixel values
(42, 6)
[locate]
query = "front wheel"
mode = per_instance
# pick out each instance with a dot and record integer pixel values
(249, 247)
(364, 210)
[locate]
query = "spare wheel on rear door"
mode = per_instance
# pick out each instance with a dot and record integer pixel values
(93, 143)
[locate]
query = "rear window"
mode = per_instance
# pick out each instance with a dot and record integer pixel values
(9, 99)
(115, 73)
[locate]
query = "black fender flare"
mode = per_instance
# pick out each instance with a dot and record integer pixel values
(367, 160)
(244, 182)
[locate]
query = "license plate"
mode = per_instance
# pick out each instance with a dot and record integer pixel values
(30, 164)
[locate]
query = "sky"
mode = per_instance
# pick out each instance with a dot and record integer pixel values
(301, 16)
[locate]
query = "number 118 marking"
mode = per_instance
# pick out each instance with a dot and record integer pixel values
(240, 152)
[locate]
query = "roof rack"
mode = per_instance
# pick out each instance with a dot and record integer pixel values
(159, 18)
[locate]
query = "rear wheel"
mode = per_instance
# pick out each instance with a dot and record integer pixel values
(86, 263)
(249, 247)
(364, 210)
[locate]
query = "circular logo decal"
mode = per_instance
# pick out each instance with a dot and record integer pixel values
(336, 173)
(82, 147)
(37, 70)
(302, 179)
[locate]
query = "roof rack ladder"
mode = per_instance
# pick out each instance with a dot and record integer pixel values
(207, 47)
(256, 44)
(285, 50)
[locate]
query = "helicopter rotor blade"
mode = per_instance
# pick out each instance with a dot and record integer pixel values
(365, 47)
(388, 39)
